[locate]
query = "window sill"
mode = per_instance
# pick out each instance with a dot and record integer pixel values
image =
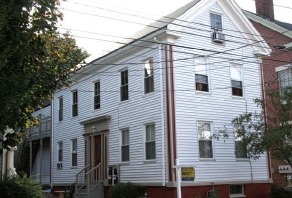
(238, 97)
(124, 102)
(124, 163)
(148, 94)
(73, 167)
(203, 92)
(242, 160)
(238, 196)
(207, 159)
(152, 161)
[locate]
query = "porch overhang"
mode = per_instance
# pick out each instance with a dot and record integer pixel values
(96, 119)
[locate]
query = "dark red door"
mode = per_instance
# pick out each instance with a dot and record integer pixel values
(97, 150)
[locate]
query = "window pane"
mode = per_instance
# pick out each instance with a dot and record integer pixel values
(74, 145)
(148, 84)
(60, 155)
(235, 73)
(150, 150)
(240, 150)
(201, 66)
(74, 159)
(205, 147)
(204, 131)
(148, 68)
(125, 153)
(125, 137)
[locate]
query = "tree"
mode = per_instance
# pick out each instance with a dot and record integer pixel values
(35, 60)
(273, 132)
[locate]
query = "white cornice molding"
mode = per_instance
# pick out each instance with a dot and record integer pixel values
(268, 24)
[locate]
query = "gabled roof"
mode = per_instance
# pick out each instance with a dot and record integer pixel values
(278, 26)
(152, 27)
(163, 25)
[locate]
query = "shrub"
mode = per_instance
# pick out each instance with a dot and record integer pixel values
(126, 190)
(20, 187)
(280, 193)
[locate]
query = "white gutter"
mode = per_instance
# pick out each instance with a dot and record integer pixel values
(162, 114)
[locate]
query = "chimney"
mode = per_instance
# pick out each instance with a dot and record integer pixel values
(265, 9)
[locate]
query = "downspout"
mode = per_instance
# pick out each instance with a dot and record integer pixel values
(265, 115)
(51, 139)
(162, 112)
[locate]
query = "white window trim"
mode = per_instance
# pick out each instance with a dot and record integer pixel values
(71, 152)
(237, 195)
(208, 74)
(281, 68)
(144, 143)
(143, 75)
(120, 84)
(212, 140)
(93, 94)
(121, 142)
(242, 79)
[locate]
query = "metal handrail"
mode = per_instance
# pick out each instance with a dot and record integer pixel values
(80, 175)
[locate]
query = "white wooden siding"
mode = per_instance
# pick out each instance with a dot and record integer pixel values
(217, 106)
(133, 113)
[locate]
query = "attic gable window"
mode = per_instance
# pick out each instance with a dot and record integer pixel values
(216, 21)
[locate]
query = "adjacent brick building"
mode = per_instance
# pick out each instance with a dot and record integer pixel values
(278, 35)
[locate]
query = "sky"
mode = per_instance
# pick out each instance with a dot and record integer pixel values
(98, 24)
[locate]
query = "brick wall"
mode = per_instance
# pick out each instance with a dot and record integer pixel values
(277, 58)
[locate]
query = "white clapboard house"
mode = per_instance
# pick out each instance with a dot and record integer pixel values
(158, 98)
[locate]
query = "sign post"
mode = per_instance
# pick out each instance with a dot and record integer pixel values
(183, 173)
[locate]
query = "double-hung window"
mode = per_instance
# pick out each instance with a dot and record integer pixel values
(205, 139)
(97, 95)
(236, 190)
(125, 150)
(60, 152)
(201, 74)
(124, 91)
(236, 80)
(74, 103)
(148, 76)
(150, 142)
(285, 80)
(74, 152)
(60, 108)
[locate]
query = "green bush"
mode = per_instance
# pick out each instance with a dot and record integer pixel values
(280, 193)
(126, 190)
(20, 187)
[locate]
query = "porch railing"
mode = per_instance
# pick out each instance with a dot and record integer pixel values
(93, 178)
(81, 179)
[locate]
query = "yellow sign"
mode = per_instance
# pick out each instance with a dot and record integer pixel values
(188, 174)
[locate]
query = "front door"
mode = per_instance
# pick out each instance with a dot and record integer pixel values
(97, 150)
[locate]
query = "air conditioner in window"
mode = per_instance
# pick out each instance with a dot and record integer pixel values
(218, 37)
(59, 165)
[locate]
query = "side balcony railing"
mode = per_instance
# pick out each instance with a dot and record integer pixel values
(42, 130)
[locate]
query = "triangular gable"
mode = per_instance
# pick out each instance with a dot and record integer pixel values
(235, 14)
